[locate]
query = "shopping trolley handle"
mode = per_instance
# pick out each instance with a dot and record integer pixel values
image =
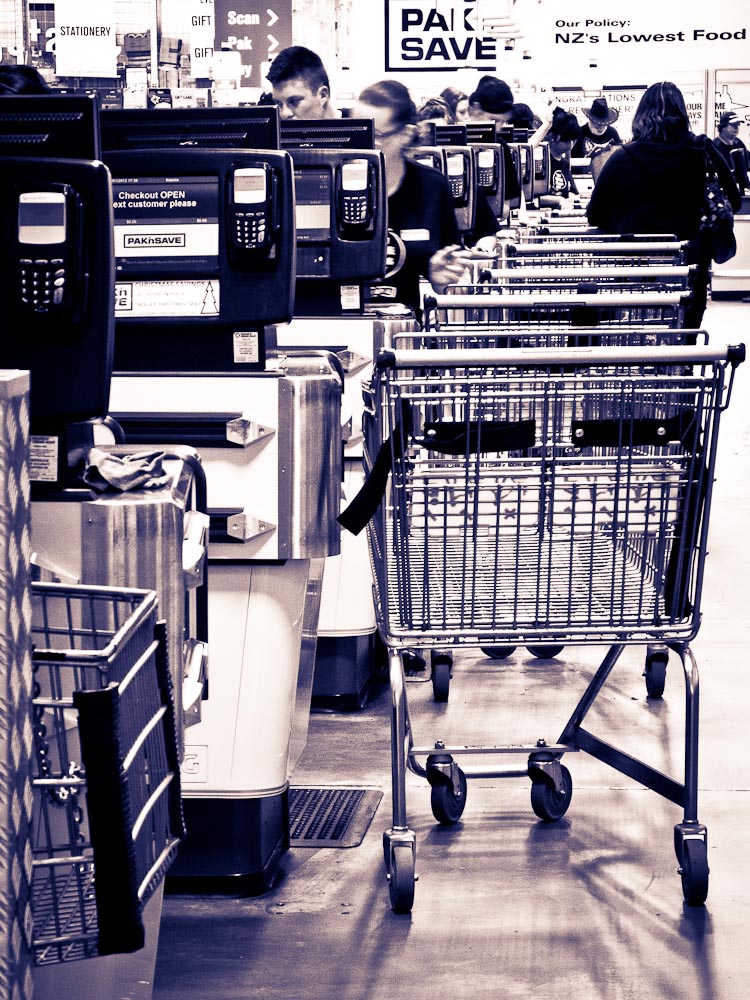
(564, 297)
(543, 357)
(736, 354)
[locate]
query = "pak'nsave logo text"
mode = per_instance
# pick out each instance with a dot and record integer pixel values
(155, 240)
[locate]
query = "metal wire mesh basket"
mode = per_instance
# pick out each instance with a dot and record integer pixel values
(106, 811)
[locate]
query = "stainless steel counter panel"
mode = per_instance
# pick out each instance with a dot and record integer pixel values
(270, 443)
(127, 539)
(310, 458)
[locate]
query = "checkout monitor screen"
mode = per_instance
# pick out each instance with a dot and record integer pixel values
(165, 227)
(312, 188)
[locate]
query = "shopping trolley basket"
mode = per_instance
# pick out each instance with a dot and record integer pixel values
(533, 497)
(106, 812)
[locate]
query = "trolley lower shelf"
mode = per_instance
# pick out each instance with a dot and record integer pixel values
(485, 584)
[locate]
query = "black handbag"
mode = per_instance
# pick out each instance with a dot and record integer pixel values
(717, 217)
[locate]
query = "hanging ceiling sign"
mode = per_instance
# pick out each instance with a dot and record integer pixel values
(429, 35)
(85, 42)
(659, 38)
(255, 31)
(199, 25)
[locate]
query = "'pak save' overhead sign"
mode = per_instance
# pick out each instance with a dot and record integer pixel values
(430, 35)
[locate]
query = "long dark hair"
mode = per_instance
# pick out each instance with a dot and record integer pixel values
(661, 115)
(392, 95)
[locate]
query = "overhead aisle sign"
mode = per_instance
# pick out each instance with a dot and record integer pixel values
(254, 30)
(199, 24)
(85, 38)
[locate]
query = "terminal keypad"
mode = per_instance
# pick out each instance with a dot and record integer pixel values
(41, 283)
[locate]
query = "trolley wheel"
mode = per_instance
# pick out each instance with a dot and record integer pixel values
(498, 652)
(447, 806)
(547, 802)
(401, 878)
(545, 652)
(441, 676)
(656, 673)
(694, 872)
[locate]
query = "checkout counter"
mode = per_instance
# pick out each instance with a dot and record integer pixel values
(232, 536)
(732, 280)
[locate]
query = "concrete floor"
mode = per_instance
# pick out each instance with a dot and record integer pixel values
(506, 906)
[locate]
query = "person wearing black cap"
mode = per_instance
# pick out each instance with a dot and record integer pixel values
(493, 101)
(727, 141)
(597, 132)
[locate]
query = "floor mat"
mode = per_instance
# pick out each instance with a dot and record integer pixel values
(331, 817)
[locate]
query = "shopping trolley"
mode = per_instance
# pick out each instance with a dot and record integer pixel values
(593, 252)
(522, 309)
(481, 316)
(543, 233)
(106, 810)
(536, 496)
(627, 278)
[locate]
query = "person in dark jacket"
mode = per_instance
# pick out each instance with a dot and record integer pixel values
(655, 184)
(732, 148)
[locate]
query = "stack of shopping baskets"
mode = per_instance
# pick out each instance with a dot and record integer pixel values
(106, 810)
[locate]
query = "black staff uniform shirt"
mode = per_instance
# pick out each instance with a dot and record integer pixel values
(421, 213)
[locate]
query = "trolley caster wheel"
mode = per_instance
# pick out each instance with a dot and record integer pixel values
(401, 878)
(656, 673)
(498, 652)
(694, 872)
(447, 805)
(545, 652)
(448, 783)
(549, 804)
(441, 676)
